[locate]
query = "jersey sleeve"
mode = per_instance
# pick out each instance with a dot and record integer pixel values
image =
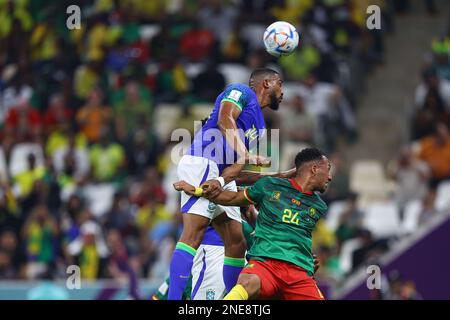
(237, 95)
(255, 193)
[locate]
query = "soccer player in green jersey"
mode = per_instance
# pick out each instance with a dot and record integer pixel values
(281, 263)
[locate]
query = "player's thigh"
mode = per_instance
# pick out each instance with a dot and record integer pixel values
(207, 279)
(259, 280)
(303, 290)
(195, 171)
(197, 212)
(231, 233)
(228, 223)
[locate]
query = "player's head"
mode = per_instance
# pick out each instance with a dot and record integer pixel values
(270, 81)
(312, 164)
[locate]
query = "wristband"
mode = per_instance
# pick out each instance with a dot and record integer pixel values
(221, 180)
(198, 192)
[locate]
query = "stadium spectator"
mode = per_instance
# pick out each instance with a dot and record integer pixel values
(39, 233)
(25, 121)
(71, 161)
(207, 83)
(196, 44)
(17, 92)
(435, 151)
(431, 82)
(350, 222)
(324, 102)
(298, 125)
(411, 175)
(107, 159)
(132, 105)
(25, 181)
(432, 111)
(441, 51)
(9, 209)
(90, 251)
(57, 114)
(94, 116)
(12, 258)
(86, 78)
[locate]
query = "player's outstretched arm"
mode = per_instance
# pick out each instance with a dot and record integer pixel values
(250, 177)
(225, 197)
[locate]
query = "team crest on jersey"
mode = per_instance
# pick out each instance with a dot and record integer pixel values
(211, 207)
(275, 196)
(312, 212)
(296, 202)
(210, 294)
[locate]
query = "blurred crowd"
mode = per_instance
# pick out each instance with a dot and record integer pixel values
(85, 176)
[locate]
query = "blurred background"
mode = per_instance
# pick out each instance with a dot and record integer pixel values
(86, 117)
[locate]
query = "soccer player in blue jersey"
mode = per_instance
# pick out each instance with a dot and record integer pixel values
(215, 159)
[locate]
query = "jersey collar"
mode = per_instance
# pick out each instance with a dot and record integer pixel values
(296, 186)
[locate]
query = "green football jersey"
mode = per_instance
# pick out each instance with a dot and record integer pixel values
(287, 217)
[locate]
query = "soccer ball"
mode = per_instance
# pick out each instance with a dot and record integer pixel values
(280, 38)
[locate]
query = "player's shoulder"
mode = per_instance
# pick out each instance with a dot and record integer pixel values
(238, 90)
(319, 203)
(273, 181)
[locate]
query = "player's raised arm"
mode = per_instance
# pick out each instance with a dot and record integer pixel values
(225, 197)
(251, 177)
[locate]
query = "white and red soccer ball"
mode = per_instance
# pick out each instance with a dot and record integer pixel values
(280, 38)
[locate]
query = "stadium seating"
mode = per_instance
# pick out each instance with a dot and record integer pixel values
(382, 218)
(367, 179)
(443, 196)
(234, 72)
(410, 221)
(166, 117)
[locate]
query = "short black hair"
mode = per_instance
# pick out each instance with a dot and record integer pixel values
(261, 72)
(308, 155)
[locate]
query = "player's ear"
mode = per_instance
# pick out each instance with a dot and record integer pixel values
(266, 83)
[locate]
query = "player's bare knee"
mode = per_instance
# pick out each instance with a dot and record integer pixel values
(192, 238)
(251, 284)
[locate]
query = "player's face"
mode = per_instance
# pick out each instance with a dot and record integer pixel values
(323, 174)
(276, 93)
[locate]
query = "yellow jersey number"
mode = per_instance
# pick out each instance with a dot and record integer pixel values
(288, 217)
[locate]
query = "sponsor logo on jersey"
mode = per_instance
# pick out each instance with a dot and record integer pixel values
(275, 196)
(210, 294)
(312, 212)
(251, 134)
(296, 202)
